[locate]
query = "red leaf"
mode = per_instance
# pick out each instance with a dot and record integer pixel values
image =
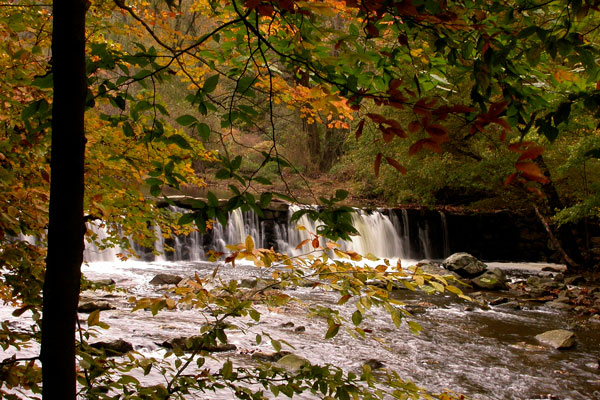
(377, 118)
(531, 171)
(388, 133)
(416, 147)
(432, 145)
(395, 84)
(252, 4)
(510, 178)
(396, 165)
(422, 108)
(372, 30)
(377, 163)
(531, 153)
(497, 108)
(359, 130)
(414, 126)
(436, 130)
(315, 243)
(286, 5)
(403, 39)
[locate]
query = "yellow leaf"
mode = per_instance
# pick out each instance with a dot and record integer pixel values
(302, 243)
(249, 243)
(93, 318)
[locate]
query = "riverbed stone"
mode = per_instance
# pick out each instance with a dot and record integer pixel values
(464, 265)
(270, 357)
(165, 279)
(558, 338)
(91, 306)
(492, 279)
(374, 363)
(292, 362)
(192, 343)
(115, 347)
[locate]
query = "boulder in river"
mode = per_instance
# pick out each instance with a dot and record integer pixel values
(165, 279)
(91, 306)
(464, 265)
(292, 362)
(558, 339)
(113, 348)
(195, 343)
(270, 357)
(492, 279)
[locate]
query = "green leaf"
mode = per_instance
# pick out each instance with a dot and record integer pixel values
(43, 82)
(223, 174)
(180, 141)
(186, 120)
(341, 194)
(258, 339)
(210, 84)
(357, 317)
(276, 344)
(265, 199)
(213, 201)
(227, 370)
(128, 130)
(332, 331)
(255, 315)
(186, 218)
(203, 130)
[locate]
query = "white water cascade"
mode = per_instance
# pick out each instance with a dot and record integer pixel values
(383, 233)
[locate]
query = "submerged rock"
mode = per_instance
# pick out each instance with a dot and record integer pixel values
(165, 279)
(558, 339)
(464, 265)
(116, 347)
(91, 306)
(493, 279)
(270, 357)
(292, 362)
(193, 343)
(374, 363)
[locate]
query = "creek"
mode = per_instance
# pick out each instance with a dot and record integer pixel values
(482, 352)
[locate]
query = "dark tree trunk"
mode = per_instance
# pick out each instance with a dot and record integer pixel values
(66, 226)
(563, 238)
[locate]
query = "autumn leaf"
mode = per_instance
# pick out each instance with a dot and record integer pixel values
(396, 165)
(531, 171)
(377, 163)
(359, 130)
(414, 126)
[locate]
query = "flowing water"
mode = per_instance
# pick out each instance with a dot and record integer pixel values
(485, 354)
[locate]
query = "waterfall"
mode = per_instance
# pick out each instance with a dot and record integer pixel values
(94, 253)
(383, 233)
(445, 239)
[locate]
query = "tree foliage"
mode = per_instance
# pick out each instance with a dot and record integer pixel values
(173, 86)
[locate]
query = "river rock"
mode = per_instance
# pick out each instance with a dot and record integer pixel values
(558, 339)
(464, 265)
(493, 279)
(102, 283)
(561, 303)
(270, 357)
(116, 347)
(374, 363)
(165, 279)
(292, 362)
(192, 343)
(510, 305)
(91, 306)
